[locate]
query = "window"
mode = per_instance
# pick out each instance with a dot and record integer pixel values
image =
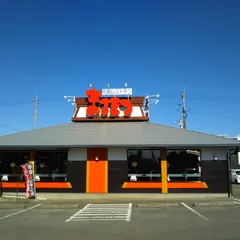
(10, 165)
(144, 165)
(51, 166)
(184, 165)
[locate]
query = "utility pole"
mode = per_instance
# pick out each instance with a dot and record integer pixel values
(36, 102)
(184, 111)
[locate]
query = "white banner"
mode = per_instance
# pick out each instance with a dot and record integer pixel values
(116, 91)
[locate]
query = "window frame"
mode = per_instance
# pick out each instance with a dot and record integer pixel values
(152, 177)
(12, 177)
(62, 177)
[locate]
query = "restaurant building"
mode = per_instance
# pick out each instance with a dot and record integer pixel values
(111, 147)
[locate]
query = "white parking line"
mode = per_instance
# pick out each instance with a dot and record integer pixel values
(103, 212)
(77, 213)
(236, 199)
(12, 214)
(194, 211)
(129, 214)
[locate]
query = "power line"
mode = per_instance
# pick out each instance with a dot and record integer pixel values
(36, 102)
(14, 104)
(18, 104)
(9, 128)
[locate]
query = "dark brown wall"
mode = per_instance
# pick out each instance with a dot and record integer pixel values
(214, 173)
(77, 176)
(118, 174)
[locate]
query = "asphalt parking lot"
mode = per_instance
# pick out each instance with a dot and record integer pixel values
(108, 221)
(236, 190)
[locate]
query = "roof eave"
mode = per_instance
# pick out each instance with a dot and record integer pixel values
(119, 146)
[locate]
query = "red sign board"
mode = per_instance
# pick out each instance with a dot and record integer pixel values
(94, 98)
(30, 182)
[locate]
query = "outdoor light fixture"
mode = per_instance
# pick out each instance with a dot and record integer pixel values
(96, 158)
(133, 178)
(5, 178)
(37, 178)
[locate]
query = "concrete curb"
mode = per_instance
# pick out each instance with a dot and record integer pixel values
(61, 206)
(211, 204)
(9, 198)
(13, 206)
(43, 206)
(17, 200)
(194, 204)
(157, 205)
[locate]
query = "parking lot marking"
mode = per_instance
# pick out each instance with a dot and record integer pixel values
(12, 214)
(103, 212)
(194, 211)
(236, 199)
(77, 213)
(129, 214)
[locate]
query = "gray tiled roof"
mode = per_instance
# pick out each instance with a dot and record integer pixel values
(112, 134)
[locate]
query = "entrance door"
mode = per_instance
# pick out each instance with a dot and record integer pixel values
(97, 170)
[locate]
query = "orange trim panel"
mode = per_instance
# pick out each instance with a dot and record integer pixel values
(52, 185)
(97, 176)
(164, 176)
(188, 185)
(170, 185)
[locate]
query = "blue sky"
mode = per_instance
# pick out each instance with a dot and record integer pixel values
(57, 48)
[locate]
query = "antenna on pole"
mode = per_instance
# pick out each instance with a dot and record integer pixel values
(36, 102)
(70, 99)
(149, 100)
(181, 123)
(184, 111)
(125, 86)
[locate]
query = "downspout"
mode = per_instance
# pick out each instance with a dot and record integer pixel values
(229, 173)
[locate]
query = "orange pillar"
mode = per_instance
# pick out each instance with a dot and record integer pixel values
(164, 167)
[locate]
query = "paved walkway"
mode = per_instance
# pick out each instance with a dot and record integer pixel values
(112, 196)
(74, 197)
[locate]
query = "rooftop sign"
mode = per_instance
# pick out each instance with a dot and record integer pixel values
(116, 91)
(114, 103)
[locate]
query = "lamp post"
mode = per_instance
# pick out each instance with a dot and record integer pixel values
(229, 173)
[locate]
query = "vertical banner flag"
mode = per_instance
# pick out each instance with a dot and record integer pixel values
(30, 182)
